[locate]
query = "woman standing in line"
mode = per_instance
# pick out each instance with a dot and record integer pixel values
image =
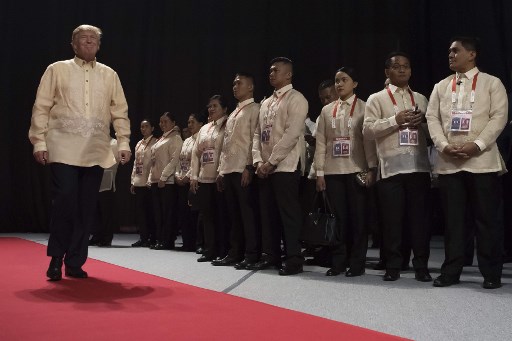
(139, 186)
(164, 156)
(341, 153)
(187, 215)
(204, 165)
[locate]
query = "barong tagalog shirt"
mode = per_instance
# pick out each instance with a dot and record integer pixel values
(485, 110)
(183, 169)
(75, 103)
(142, 161)
(347, 126)
(206, 151)
(380, 124)
(279, 134)
(237, 148)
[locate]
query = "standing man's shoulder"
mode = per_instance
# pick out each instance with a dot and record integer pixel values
(296, 94)
(376, 95)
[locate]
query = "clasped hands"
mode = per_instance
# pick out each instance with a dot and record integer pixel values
(409, 118)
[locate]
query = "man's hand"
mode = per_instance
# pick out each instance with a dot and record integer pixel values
(124, 156)
(371, 177)
(246, 178)
(259, 171)
(41, 157)
(132, 189)
(452, 151)
(404, 117)
(161, 184)
(320, 183)
(468, 150)
(194, 186)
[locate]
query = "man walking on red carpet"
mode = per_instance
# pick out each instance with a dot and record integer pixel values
(70, 130)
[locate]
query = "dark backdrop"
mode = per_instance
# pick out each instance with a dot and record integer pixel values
(173, 55)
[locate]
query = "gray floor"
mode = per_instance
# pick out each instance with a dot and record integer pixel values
(405, 308)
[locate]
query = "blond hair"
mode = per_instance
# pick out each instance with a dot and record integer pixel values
(82, 28)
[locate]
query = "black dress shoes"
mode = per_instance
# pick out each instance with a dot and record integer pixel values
(141, 243)
(205, 258)
(422, 275)
(391, 275)
(262, 264)
(104, 244)
(226, 261)
(354, 273)
(381, 265)
(445, 281)
(199, 250)
(491, 283)
(54, 272)
(288, 270)
(243, 265)
(163, 247)
(75, 272)
(334, 272)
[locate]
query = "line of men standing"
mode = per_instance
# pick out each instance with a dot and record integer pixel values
(466, 113)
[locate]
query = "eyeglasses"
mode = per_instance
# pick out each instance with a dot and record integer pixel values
(397, 67)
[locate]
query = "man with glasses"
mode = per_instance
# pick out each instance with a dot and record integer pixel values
(393, 117)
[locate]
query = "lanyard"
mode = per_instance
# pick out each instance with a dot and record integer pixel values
(272, 104)
(141, 155)
(473, 88)
(211, 137)
(395, 106)
(240, 109)
(335, 110)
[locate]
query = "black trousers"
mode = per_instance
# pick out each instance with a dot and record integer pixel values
(349, 202)
(403, 200)
(104, 226)
(187, 221)
(215, 220)
(281, 211)
(164, 208)
(480, 193)
(74, 199)
(244, 236)
(144, 213)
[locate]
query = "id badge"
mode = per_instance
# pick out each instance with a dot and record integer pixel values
(461, 120)
(408, 137)
(139, 167)
(184, 165)
(208, 156)
(341, 146)
(265, 134)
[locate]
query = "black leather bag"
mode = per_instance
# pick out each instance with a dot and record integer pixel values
(320, 226)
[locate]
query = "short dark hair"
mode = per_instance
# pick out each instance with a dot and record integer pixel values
(151, 124)
(469, 43)
(284, 60)
(246, 75)
(387, 63)
(326, 84)
(201, 117)
(221, 100)
(171, 116)
(349, 71)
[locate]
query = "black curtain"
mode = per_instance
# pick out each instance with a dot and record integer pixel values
(173, 55)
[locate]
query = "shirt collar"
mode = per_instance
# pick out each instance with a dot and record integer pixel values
(469, 75)
(219, 121)
(349, 100)
(80, 62)
(247, 101)
(147, 139)
(394, 88)
(283, 90)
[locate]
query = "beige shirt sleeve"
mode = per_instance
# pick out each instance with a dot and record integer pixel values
(293, 129)
(174, 149)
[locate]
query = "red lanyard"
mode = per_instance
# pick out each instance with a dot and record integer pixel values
(240, 109)
(144, 149)
(335, 109)
(394, 101)
(473, 88)
(273, 104)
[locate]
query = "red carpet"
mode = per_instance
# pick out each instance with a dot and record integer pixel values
(121, 304)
